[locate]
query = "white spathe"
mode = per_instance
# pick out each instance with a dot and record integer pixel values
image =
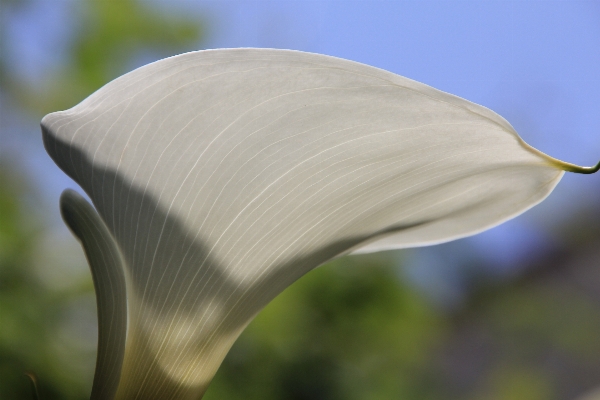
(222, 176)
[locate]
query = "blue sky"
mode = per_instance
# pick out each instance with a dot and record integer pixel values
(537, 63)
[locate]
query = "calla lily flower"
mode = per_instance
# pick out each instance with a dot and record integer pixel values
(220, 177)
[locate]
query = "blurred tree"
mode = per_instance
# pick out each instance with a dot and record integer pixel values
(22, 321)
(110, 38)
(348, 330)
(32, 311)
(535, 336)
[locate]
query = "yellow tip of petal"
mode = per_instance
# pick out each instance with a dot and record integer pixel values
(565, 166)
(579, 170)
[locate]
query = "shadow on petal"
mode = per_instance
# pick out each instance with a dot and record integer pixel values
(185, 311)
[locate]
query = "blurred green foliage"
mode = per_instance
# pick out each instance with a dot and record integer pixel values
(110, 38)
(23, 321)
(350, 330)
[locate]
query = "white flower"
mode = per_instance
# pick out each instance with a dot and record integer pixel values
(220, 177)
